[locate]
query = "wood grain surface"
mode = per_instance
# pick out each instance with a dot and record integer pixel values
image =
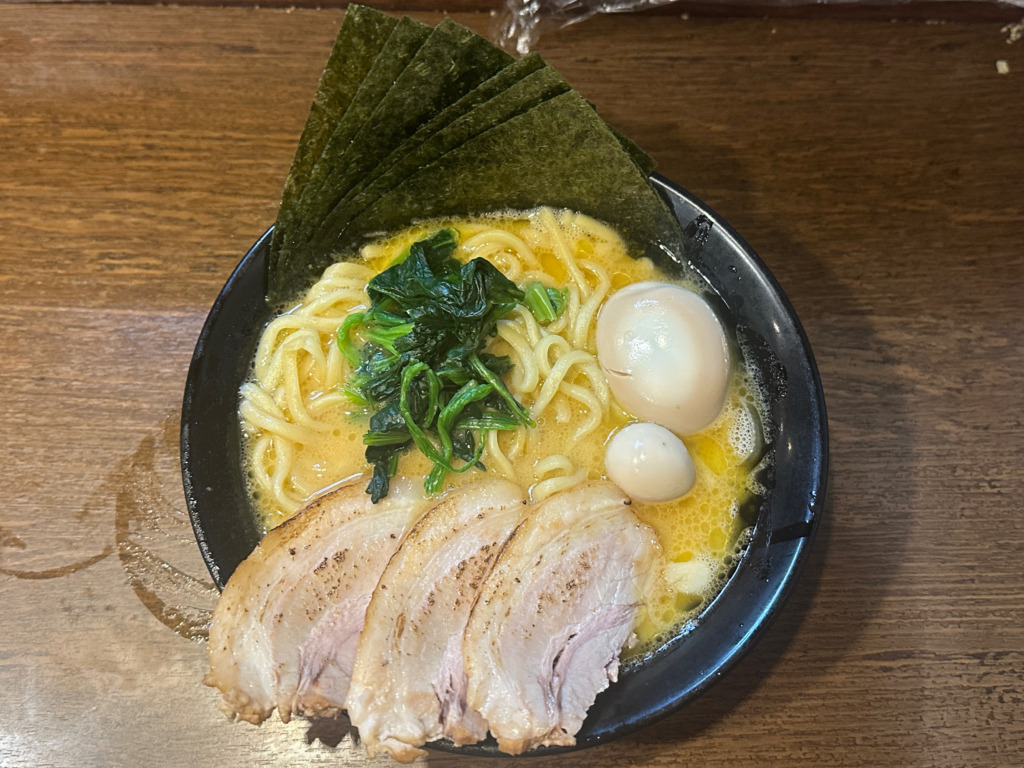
(875, 166)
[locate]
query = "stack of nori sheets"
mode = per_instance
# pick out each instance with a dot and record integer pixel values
(411, 122)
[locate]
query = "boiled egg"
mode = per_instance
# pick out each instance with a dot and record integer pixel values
(665, 355)
(649, 463)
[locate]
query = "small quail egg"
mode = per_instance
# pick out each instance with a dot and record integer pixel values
(649, 463)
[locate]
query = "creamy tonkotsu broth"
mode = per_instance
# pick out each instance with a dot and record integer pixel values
(303, 434)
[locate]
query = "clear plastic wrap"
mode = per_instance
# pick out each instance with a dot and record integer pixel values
(522, 21)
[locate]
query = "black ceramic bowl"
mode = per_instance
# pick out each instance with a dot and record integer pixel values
(226, 528)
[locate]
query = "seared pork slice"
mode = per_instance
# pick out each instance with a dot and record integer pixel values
(559, 604)
(285, 629)
(408, 684)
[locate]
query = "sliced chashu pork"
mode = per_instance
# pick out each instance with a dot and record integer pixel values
(557, 608)
(285, 630)
(408, 685)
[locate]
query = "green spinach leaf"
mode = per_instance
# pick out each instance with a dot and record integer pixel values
(422, 366)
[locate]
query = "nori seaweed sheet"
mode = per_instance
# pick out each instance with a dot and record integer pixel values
(288, 265)
(362, 35)
(452, 62)
(443, 123)
(560, 154)
(643, 161)
(530, 91)
(373, 183)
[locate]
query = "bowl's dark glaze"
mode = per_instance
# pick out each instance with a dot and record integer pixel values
(226, 528)
(211, 460)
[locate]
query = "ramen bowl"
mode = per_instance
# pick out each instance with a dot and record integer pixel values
(701, 649)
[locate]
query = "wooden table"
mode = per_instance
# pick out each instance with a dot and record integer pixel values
(877, 167)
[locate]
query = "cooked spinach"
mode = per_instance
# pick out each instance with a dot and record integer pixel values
(546, 304)
(422, 367)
